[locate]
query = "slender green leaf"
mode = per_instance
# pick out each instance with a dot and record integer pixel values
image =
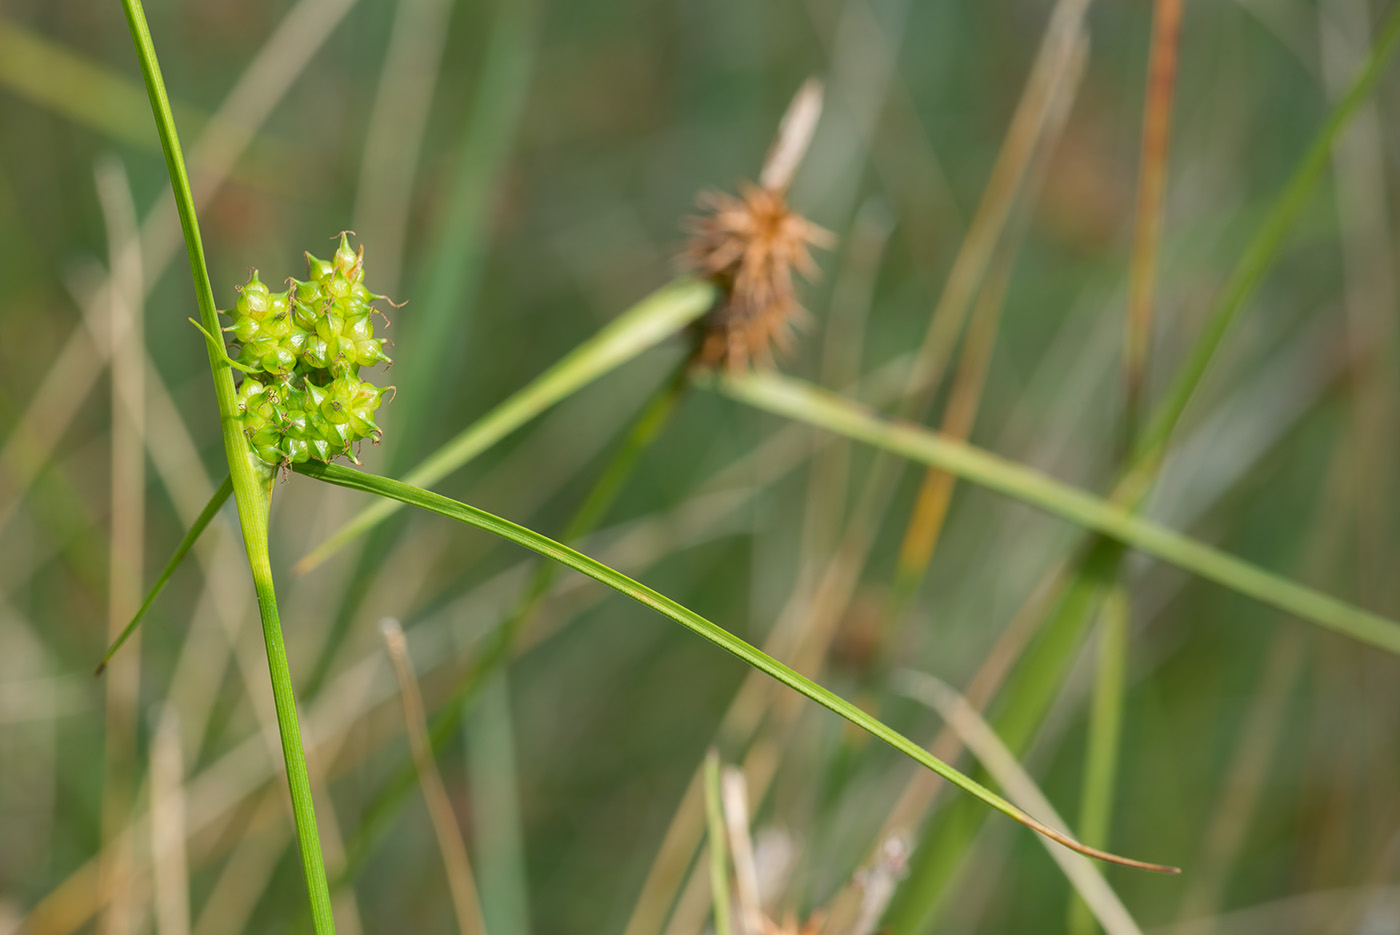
(655, 318)
(505, 529)
(201, 522)
(801, 401)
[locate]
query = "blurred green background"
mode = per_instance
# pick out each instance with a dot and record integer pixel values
(518, 173)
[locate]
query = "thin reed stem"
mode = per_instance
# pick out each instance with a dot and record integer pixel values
(250, 481)
(1096, 795)
(719, 851)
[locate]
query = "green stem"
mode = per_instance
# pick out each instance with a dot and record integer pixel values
(249, 477)
(288, 727)
(719, 850)
(1105, 734)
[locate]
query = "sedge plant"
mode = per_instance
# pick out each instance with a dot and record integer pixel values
(303, 403)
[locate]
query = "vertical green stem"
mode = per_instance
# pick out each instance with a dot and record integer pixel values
(250, 478)
(298, 780)
(1105, 734)
(719, 850)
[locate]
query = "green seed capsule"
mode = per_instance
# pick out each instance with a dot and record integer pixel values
(319, 270)
(349, 262)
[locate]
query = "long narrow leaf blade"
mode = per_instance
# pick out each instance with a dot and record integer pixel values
(444, 506)
(815, 406)
(654, 319)
(200, 524)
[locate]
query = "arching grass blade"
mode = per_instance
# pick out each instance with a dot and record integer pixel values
(472, 516)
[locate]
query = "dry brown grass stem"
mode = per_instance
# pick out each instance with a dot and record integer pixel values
(795, 133)
(734, 794)
(1151, 191)
(461, 882)
(125, 341)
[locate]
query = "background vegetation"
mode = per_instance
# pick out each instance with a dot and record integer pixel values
(518, 172)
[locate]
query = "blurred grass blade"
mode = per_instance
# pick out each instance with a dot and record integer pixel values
(447, 295)
(655, 318)
(211, 509)
(719, 851)
(444, 506)
(797, 400)
(1105, 736)
(48, 74)
(1001, 763)
(1260, 253)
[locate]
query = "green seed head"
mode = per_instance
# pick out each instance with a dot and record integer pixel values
(306, 346)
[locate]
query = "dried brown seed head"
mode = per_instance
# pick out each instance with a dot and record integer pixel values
(749, 246)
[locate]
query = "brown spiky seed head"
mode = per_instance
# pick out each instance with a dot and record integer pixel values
(749, 246)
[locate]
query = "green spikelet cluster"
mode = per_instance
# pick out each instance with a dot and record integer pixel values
(302, 350)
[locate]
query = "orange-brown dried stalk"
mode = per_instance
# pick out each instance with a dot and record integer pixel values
(750, 245)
